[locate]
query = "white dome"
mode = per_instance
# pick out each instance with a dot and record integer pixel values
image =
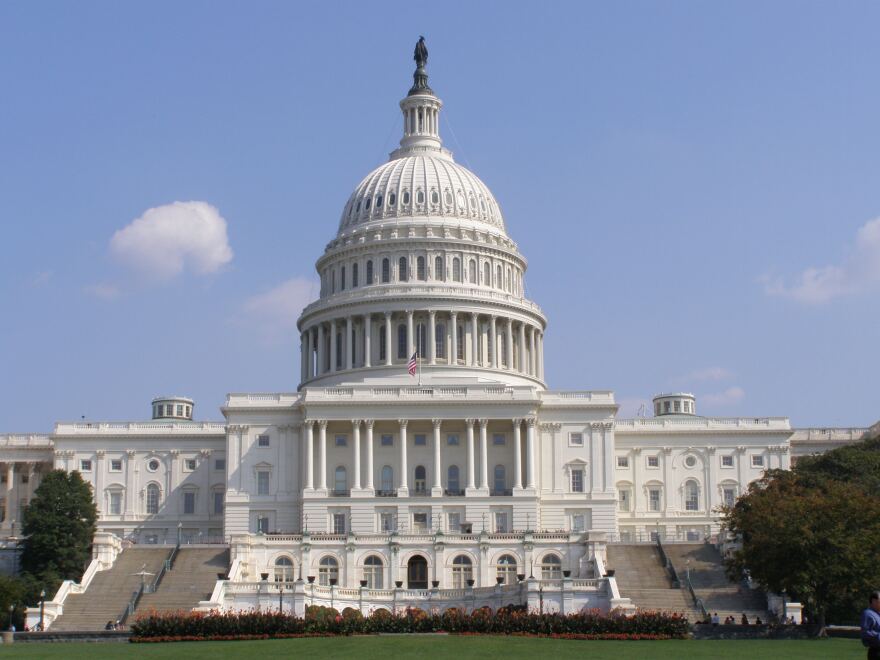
(421, 185)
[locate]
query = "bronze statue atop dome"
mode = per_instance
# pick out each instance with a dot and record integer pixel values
(420, 76)
(421, 53)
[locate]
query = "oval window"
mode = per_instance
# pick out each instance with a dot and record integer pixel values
(367, 204)
(358, 209)
(153, 464)
(392, 198)
(461, 201)
(435, 198)
(448, 198)
(406, 196)
(420, 197)
(378, 201)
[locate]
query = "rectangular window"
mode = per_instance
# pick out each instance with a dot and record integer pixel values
(85, 465)
(623, 500)
(653, 499)
(387, 440)
(451, 440)
(577, 481)
(189, 502)
(263, 482)
(386, 522)
(115, 503)
(116, 465)
(218, 502)
(453, 522)
(578, 523)
(501, 522)
(498, 439)
(623, 461)
(262, 524)
(339, 523)
(220, 464)
(576, 439)
(341, 441)
(727, 461)
(729, 496)
(653, 461)
(420, 440)
(757, 461)
(263, 440)
(420, 522)
(189, 464)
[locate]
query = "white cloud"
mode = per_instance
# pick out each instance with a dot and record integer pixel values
(167, 239)
(103, 291)
(728, 397)
(275, 312)
(42, 278)
(708, 374)
(858, 273)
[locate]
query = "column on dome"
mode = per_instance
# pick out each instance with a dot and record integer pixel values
(437, 490)
(432, 336)
(532, 369)
(475, 339)
(410, 346)
(333, 355)
(484, 454)
(509, 328)
(368, 334)
(541, 355)
(310, 453)
(303, 342)
(322, 345)
(388, 345)
(453, 344)
(522, 348)
(346, 349)
(356, 441)
(517, 455)
(530, 452)
(493, 334)
(404, 488)
(311, 369)
(322, 454)
(470, 453)
(370, 468)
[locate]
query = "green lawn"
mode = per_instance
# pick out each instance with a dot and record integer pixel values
(453, 647)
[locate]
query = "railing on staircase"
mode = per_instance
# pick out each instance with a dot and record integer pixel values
(667, 564)
(167, 565)
(698, 602)
(130, 606)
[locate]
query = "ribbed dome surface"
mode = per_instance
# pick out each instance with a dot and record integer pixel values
(421, 185)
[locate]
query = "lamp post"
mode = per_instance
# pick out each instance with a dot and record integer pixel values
(42, 608)
(280, 598)
(11, 610)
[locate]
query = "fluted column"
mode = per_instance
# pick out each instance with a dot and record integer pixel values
(333, 356)
(509, 356)
(522, 348)
(310, 454)
(388, 346)
(541, 355)
(484, 454)
(493, 333)
(369, 424)
(470, 453)
(437, 490)
(517, 454)
(532, 362)
(432, 336)
(410, 346)
(311, 354)
(322, 454)
(356, 441)
(453, 349)
(475, 340)
(530, 452)
(404, 470)
(347, 350)
(368, 333)
(321, 348)
(303, 346)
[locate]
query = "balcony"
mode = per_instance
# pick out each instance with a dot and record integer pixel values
(453, 493)
(507, 492)
(340, 493)
(386, 493)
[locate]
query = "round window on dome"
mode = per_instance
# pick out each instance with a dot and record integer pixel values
(378, 201)
(690, 461)
(153, 464)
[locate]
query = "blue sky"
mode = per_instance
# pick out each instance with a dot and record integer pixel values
(696, 187)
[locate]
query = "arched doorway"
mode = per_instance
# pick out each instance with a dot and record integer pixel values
(417, 573)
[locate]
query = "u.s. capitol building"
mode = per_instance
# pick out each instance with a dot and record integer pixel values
(465, 475)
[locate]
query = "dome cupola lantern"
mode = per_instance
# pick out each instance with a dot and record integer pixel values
(421, 111)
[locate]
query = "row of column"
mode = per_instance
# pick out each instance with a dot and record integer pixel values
(437, 488)
(319, 349)
(13, 494)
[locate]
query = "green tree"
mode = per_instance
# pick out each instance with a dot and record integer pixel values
(814, 538)
(58, 527)
(858, 464)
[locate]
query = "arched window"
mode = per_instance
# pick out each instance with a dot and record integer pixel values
(551, 567)
(499, 281)
(421, 481)
(422, 340)
(506, 568)
(500, 480)
(459, 348)
(453, 486)
(462, 571)
(401, 270)
(373, 572)
(387, 479)
(691, 496)
(487, 274)
(401, 342)
(438, 269)
(342, 279)
(340, 483)
(283, 569)
(383, 345)
(354, 276)
(328, 569)
(421, 269)
(472, 271)
(456, 269)
(369, 272)
(153, 499)
(386, 270)
(440, 340)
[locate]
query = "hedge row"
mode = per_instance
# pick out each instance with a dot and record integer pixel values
(327, 621)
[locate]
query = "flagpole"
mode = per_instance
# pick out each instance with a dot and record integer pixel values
(419, 364)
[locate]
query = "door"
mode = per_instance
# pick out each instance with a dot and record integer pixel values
(417, 573)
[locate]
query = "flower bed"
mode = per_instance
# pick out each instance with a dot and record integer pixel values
(323, 621)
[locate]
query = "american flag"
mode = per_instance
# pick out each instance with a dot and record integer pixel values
(413, 363)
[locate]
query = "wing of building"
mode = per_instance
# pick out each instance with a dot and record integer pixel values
(462, 475)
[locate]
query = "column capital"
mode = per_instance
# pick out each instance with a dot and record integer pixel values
(484, 423)
(369, 423)
(453, 314)
(409, 313)
(532, 421)
(388, 315)
(436, 422)
(403, 423)
(356, 424)
(470, 422)
(432, 312)
(323, 424)
(516, 421)
(308, 422)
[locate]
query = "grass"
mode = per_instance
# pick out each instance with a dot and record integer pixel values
(453, 647)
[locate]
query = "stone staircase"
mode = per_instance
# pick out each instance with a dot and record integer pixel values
(106, 597)
(642, 578)
(711, 585)
(191, 580)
